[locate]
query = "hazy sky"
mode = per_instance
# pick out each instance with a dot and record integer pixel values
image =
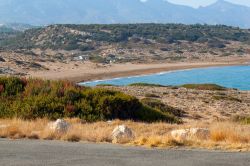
(197, 3)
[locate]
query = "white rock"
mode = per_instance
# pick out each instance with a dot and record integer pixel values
(59, 125)
(184, 134)
(201, 133)
(109, 121)
(122, 134)
(3, 126)
(180, 134)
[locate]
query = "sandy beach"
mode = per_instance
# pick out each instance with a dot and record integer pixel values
(87, 71)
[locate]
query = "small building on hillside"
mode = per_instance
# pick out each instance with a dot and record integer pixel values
(111, 58)
(81, 58)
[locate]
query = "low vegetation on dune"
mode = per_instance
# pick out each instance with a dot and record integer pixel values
(35, 98)
(146, 84)
(100, 85)
(213, 87)
(242, 119)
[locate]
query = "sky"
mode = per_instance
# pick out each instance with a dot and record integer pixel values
(197, 3)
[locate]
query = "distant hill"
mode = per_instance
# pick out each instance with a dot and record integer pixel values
(44, 12)
(10, 30)
(122, 43)
(87, 37)
(4, 29)
(15, 27)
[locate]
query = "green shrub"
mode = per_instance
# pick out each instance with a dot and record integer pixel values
(146, 84)
(38, 107)
(119, 106)
(229, 98)
(213, 87)
(97, 59)
(10, 86)
(149, 114)
(242, 119)
(5, 112)
(106, 85)
(151, 95)
(157, 104)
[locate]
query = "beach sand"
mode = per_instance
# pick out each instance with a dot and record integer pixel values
(87, 71)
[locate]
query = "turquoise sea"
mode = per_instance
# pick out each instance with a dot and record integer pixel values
(231, 77)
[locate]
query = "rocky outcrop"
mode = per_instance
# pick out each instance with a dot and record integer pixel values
(185, 134)
(202, 133)
(122, 134)
(60, 126)
(180, 134)
(2, 59)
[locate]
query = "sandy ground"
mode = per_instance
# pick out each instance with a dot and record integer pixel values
(86, 71)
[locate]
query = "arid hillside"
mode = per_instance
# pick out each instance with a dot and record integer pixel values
(198, 105)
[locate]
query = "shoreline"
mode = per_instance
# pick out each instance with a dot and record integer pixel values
(149, 71)
(158, 73)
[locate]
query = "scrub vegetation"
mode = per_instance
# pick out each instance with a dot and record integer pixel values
(35, 98)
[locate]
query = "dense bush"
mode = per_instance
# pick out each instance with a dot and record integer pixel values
(97, 59)
(11, 86)
(157, 104)
(34, 98)
(216, 44)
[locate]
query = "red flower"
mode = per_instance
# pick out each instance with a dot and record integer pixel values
(70, 108)
(24, 81)
(1, 88)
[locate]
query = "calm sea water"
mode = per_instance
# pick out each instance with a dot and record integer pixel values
(231, 77)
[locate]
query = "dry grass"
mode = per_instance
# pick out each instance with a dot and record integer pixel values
(224, 135)
(231, 133)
